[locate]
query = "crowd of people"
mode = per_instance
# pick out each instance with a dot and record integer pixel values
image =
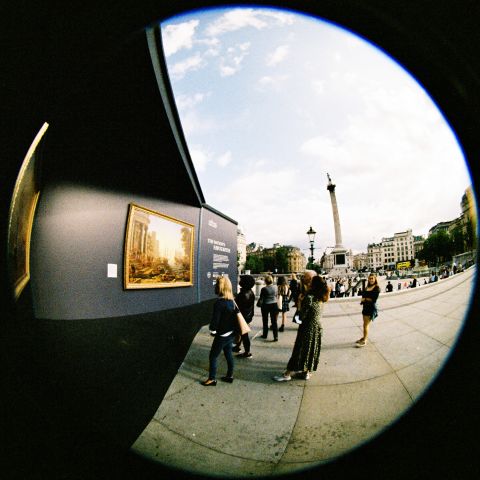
(307, 296)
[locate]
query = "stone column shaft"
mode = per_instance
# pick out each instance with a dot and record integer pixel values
(336, 220)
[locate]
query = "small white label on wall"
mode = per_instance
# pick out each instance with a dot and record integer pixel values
(111, 270)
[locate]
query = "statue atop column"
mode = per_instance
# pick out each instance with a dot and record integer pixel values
(330, 186)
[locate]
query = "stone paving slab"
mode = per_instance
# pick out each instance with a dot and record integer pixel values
(417, 377)
(338, 418)
(389, 329)
(349, 364)
(256, 427)
(198, 413)
(157, 443)
(407, 349)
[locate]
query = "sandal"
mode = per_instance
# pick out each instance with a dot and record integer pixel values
(209, 383)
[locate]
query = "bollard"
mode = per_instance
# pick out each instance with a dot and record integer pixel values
(259, 283)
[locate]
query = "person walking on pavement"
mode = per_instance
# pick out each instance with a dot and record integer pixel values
(268, 298)
(306, 350)
(222, 326)
(246, 303)
(294, 289)
(284, 291)
(369, 310)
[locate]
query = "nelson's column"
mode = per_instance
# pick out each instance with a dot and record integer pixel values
(339, 252)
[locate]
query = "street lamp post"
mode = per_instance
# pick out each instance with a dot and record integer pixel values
(311, 238)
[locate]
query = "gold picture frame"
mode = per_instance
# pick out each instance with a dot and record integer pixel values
(20, 220)
(158, 250)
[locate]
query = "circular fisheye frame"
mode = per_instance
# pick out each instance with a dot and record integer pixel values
(276, 106)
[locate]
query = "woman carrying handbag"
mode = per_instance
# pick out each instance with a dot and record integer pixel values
(223, 326)
(245, 301)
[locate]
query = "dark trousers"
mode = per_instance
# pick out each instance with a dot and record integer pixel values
(219, 344)
(245, 339)
(272, 310)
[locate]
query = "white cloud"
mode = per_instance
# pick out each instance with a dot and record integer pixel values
(193, 124)
(328, 149)
(272, 82)
(187, 102)
(178, 36)
(392, 163)
(231, 63)
(200, 158)
(238, 18)
(257, 196)
(179, 69)
(227, 70)
(225, 159)
(353, 113)
(318, 87)
(278, 55)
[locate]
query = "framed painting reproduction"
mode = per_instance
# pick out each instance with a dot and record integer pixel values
(158, 250)
(20, 221)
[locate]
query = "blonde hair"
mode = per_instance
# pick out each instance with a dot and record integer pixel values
(376, 280)
(223, 288)
(268, 279)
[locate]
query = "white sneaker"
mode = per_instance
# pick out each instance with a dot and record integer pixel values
(282, 378)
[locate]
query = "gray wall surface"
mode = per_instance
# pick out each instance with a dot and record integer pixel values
(79, 230)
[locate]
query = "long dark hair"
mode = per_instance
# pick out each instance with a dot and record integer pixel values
(282, 286)
(319, 289)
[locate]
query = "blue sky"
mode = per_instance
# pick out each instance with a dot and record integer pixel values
(272, 100)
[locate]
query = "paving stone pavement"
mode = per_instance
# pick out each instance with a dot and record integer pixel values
(286, 427)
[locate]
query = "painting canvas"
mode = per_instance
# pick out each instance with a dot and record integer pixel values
(158, 250)
(22, 210)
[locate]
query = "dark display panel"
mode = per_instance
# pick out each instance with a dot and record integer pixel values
(217, 251)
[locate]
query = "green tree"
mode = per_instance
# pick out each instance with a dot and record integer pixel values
(268, 263)
(470, 235)
(438, 247)
(260, 264)
(458, 240)
(251, 263)
(426, 252)
(281, 259)
(254, 263)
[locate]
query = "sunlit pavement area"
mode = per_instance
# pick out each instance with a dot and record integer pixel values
(259, 427)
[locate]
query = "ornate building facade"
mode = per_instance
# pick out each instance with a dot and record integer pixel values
(401, 247)
(296, 260)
